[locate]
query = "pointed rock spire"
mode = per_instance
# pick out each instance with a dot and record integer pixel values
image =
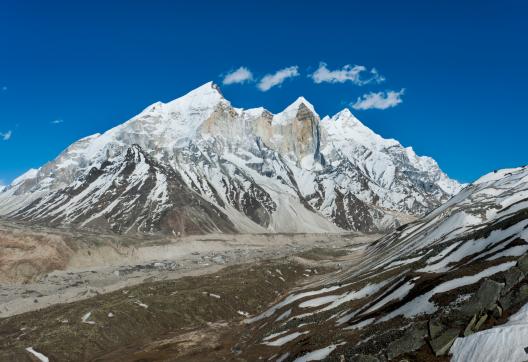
(290, 112)
(298, 102)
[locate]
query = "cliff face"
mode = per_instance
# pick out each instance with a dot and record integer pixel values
(296, 133)
(247, 170)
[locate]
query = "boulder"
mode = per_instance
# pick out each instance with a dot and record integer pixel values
(512, 277)
(443, 343)
(469, 328)
(480, 322)
(522, 295)
(412, 340)
(514, 296)
(484, 299)
(497, 312)
(435, 328)
(507, 300)
(522, 264)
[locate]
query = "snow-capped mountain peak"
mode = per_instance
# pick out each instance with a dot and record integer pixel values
(207, 95)
(344, 125)
(296, 104)
(181, 117)
(290, 112)
(263, 172)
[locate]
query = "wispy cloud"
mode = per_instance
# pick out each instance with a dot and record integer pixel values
(4, 88)
(357, 74)
(6, 136)
(271, 80)
(241, 75)
(57, 121)
(379, 100)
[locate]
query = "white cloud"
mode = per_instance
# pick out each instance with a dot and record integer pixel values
(271, 80)
(379, 100)
(241, 75)
(57, 121)
(349, 73)
(6, 136)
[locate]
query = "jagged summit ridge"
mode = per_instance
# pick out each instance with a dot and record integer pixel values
(289, 171)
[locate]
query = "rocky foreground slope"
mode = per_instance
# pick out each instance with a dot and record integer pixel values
(199, 165)
(460, 269)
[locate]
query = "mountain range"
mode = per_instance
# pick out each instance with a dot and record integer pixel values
(199, 165)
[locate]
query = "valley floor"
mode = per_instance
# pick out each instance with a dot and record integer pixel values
(176, 299)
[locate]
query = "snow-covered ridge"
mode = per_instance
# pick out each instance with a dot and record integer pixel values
(464, 262)
(497, 175)
(29, 174)
(336, 172)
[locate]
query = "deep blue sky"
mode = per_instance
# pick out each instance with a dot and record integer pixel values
(94, 64)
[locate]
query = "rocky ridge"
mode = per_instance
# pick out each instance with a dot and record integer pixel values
(460, 269)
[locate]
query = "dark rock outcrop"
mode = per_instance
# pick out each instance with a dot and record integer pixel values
(411, 340)
(484, 299)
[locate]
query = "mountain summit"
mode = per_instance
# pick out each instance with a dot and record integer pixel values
(197, 164)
